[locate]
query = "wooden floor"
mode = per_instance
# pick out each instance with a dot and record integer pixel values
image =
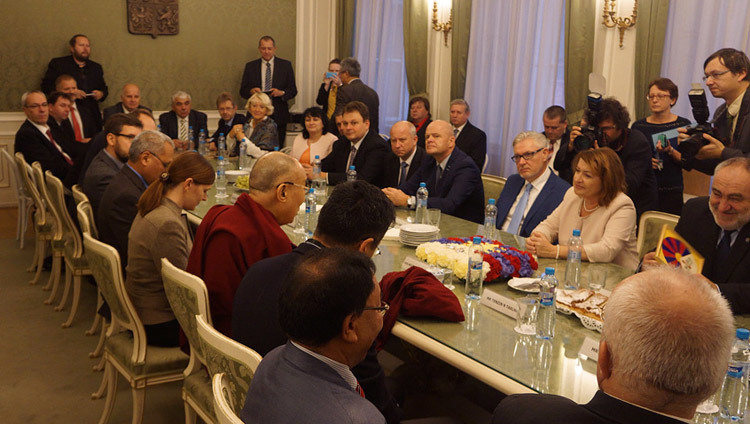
(8, 217)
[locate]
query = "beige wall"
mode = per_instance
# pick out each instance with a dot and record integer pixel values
(216, 39)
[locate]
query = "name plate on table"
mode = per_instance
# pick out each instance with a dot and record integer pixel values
(500, 303)
(590, 349)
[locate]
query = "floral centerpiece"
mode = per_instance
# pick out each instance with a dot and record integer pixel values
(500, 261)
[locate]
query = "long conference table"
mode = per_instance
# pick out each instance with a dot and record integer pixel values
(485, 345)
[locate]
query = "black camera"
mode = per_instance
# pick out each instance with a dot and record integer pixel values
(591, 132)
(698, 103)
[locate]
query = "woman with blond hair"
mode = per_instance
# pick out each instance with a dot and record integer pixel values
(597, 206)
(161, 231)
(260, 130)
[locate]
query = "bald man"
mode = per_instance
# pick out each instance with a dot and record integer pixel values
(231, 238)
(405, 156)
(453, 180)
(130, 100)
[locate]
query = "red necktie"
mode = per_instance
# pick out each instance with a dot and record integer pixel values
(57, 146)
(76, 126)
(359, 390)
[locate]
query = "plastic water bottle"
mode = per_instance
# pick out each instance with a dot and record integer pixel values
(221, 179)
(573, 267)
(733, 397)
(242, 160)
(310, 213)
(190, 140)
(422, 196)
(351, 174)
(202, 143)
(490, 219)
(318, 182)
(545, 318)
(474, 277)
(221, 147)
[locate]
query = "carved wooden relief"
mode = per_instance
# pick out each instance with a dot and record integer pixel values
(153, 17)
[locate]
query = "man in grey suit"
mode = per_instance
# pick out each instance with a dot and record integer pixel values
(120, 130)
(331, 309)
(354, 89)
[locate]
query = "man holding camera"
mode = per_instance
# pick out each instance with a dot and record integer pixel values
(609, 128)
(727, 76)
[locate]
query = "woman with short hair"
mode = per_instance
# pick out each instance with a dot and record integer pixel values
(598, 206)
(260, 129)
(161, 231)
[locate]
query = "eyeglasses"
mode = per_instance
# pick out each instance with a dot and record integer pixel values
(36, 105)
(527, 155)
(165, 165)
(658, 96)
(128, 136)
(381, 309)
(714, 75)
(304, 187)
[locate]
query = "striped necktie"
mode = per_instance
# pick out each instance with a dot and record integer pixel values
(183, 124)
(267, 85)
(57, 146)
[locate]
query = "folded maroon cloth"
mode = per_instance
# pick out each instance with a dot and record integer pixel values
(416, 292)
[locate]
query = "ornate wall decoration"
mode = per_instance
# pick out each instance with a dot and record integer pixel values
(153, 17)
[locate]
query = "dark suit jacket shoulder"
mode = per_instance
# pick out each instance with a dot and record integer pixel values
(392, 167)
(94, 75)
(359, 91)
(196, 119)
(602, 409)
(368, 161)
(223, 128)
(547, 201)
(99, 174)
(117, 210)
(459, 192)
(473, 142)
(698, 227)
(118, 108)
(35, 146)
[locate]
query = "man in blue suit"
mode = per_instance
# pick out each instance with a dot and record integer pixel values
(531, 195)
(453, 180)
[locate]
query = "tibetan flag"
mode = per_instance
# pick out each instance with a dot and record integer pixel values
(675, 251)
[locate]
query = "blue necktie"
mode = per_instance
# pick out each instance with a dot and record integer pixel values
(402, 178)
(268, 77)
(515, 221)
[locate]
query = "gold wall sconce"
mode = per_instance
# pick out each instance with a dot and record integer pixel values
(611, 21)
(444, 27)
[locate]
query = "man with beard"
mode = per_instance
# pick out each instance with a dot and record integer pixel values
(120, 131)
(716, 226)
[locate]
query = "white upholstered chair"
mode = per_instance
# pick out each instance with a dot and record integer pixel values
(222, 398)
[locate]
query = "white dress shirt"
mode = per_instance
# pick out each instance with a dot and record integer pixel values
(537, 186)
(408, 164)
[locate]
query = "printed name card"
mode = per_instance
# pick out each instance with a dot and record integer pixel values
(590, 349)
(500, 303)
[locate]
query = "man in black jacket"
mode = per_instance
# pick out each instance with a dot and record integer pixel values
(356, 217)
(356, 90)
(470, 139)
(405, 156)
(177, 122)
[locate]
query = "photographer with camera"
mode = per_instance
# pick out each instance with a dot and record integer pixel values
(659, 128)
(728, 135)
(606, 125)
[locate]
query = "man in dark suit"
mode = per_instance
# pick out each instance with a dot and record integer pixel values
(149, 155)
(420, 116)
(177, 122)
(470, 139)
(331, 309)
(717, 227)
(640, 380)
(531, 195)
(281, 87)
(356, 217)
(360, 146)
(555, 121)
(130, 100)
(405, 156)
(62, 132)
(453, 180)
(354, 89)
(35, 139)
(89, 76)
(119, 132)
(229, 116)
(85, 117)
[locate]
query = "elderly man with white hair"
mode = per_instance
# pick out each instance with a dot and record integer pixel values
(177, 122)
(664, 349)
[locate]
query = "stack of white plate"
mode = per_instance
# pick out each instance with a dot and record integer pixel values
(416, 234)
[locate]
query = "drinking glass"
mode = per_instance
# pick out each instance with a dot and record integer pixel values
(597, 276)
(526, 316)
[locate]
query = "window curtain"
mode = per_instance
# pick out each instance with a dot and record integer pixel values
(695, 29)
(512, 70)
(579, 54)
(650, 30)
(379, 48)
(415, 45)
(460, 46)
(344, 28)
